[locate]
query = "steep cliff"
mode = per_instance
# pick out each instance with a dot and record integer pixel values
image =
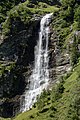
(18, 37)
(17, 54)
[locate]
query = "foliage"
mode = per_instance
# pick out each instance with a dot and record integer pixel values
(43, 100)
(66, 3)
(77, 16)
(77, 13)
(74, 51)
(67, 21)
(51, 2)
(6, 68)
(57, 91)
(24, 13)
(62, 102)
(5, 6)
(65, 107)
(67, 14)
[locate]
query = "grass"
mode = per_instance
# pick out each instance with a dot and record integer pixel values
(25, 116)
(64, 105)
(72, 85)
(63, 108)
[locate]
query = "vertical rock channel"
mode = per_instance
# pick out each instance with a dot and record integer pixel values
(39, 78)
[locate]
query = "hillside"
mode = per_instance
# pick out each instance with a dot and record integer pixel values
(61, 103)
(19, 26)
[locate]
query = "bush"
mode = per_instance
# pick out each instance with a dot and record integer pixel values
(57, 91)
(77, 17)
(51, 2)
(66, 3)
(77, 14)
(43, 99)
(67, 14)
(74, 51)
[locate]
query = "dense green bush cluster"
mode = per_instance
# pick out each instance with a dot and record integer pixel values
(77, 16)
(67, 20)
(24, 13)
(67, 3)
(5, 6)
(74, 51)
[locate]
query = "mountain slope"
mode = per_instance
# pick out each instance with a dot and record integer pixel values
(20, 24)
(60, 103)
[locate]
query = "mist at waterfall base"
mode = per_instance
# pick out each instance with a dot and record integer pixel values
(39, 79)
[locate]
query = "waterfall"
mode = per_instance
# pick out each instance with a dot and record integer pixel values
(39, 79)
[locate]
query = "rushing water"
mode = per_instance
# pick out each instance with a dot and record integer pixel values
(40, 75)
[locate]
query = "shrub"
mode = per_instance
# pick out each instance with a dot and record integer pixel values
(57, 91)
(67, 14)
(66, 3)
(74, 51)
(77, 14)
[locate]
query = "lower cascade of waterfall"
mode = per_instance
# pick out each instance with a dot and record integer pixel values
(39, 79)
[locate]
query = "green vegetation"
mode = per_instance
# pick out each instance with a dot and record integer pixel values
(24, 12)
(62, 102)
(74, 51)
(67, 3)
(4, 67)
(5, 6)
(67, 22)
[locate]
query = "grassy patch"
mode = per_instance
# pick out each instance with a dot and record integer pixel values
(62, 108)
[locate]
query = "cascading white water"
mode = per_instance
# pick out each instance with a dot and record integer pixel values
(40, 75)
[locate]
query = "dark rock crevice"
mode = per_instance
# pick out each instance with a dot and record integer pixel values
(18, 49)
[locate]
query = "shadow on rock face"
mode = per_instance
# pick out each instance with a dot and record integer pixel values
(18, 48)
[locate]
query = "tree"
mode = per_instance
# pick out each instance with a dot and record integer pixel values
(67, 3)
(74, 51)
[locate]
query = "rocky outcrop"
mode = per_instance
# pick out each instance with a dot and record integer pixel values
(18, 48)
(16, 57)
(59, 63)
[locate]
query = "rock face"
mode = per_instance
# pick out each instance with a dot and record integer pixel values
(16, 58)
(59, 60)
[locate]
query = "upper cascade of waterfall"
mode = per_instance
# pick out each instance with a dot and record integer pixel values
(39, 79)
